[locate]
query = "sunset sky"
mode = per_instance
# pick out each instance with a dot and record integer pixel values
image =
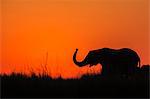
(32, 28)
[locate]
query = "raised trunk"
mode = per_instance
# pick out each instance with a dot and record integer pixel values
(83, 63)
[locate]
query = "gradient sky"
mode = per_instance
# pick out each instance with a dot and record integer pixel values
(31, 28)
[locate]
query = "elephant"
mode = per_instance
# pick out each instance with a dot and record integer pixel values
(113, 61)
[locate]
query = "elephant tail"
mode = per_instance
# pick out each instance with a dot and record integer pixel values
(139, 65)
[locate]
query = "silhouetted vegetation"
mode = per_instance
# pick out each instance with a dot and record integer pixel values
(21, 85)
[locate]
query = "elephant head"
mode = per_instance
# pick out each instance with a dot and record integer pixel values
(90, 59)
(121, 60)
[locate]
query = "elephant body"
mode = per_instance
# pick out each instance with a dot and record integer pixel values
(113, 61)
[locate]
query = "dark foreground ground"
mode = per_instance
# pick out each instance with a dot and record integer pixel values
(17, 85)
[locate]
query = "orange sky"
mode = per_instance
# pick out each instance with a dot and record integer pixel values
(31, 28)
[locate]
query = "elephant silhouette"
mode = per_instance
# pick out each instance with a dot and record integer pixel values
(113, 61)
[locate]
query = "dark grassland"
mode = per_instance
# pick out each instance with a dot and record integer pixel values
(20, 85)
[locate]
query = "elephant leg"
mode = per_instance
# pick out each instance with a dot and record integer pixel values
(106, 69)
